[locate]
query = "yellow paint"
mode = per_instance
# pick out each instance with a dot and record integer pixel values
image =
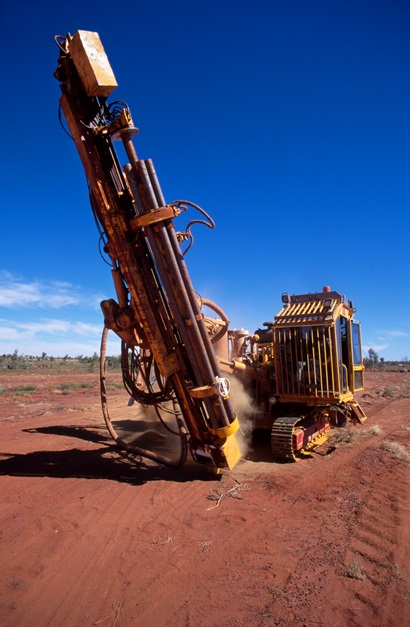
(225, 432)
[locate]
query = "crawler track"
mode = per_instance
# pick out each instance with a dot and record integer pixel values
(282, 438)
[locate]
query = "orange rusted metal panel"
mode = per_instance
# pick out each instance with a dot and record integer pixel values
(92, 64)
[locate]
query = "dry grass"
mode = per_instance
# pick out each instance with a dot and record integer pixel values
(161, 540)
(397, 572)
(343, 437)
(399, 451)
(275, 591)
(64, 388)
(391, 391)
(374, 430)
(18, 390)
(348, 437)
(355, 570)
(394, 391)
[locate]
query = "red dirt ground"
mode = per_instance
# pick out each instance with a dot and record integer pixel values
(90, 536)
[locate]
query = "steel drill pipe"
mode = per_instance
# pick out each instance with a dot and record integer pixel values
(197, 343)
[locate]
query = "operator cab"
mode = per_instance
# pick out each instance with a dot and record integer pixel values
(317, 348)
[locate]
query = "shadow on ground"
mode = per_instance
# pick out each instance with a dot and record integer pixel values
(105, 462)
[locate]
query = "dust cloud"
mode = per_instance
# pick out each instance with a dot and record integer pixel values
(244, 409)
(139, 425)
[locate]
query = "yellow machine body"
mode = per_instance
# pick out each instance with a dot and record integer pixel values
(302, 371)
(317, 349)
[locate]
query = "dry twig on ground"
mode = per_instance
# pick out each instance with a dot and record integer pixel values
(220, 496)
(116, 608)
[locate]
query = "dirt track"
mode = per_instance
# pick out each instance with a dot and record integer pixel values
(91, 537)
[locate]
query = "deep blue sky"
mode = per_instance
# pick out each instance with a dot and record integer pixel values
(287, 121)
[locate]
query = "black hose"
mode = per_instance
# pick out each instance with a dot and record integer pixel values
(136, 450)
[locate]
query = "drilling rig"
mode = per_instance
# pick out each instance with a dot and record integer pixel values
(300, 371)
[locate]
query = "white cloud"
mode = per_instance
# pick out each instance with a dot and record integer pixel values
(376, 347)
(395, 334)
(8, 333)
(56, 337)
(83, 328)
(391, 334)
(17, 293)
(48, 326)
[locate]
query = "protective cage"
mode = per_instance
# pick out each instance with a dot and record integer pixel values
(317, 348)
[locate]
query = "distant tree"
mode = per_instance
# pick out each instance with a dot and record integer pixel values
(13, 361)
(113, 362)
(373, 357)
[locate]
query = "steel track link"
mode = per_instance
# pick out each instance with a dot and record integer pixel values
(282, 438)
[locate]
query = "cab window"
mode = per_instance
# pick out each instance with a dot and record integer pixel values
(357, 346)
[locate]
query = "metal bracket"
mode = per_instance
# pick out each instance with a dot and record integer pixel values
(221, 387)
(152, 217)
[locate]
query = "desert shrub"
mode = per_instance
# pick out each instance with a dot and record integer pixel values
(347, 437)
(113, 363)
(113, 385)
(24, 388)
(391, 391)
(399, 451)
(397, 572)
(343, 437)
(374, 430)
(355, 570)
(394, 391)
(66, 387)
(13, 361)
